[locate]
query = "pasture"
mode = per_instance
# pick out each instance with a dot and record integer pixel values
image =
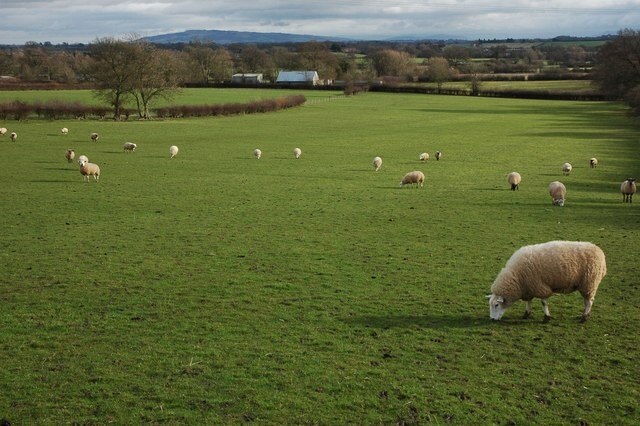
(214, 288)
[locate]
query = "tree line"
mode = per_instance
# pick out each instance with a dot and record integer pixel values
(133, 69)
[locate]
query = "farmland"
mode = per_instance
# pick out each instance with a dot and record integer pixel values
(217, 288)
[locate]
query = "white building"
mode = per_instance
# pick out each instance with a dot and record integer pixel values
(298, 77)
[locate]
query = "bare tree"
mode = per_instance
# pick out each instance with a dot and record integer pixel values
(617, 70)
(438, 71)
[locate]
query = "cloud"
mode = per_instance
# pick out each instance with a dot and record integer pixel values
(82, 21)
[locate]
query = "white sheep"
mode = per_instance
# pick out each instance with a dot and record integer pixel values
(593, 163)
(173, 151)
(14, 136)
(257, 153)
(89, 169)
(3, 130)
(628, 188)
(438, 155)
(514, 179)
(566, 169)
(558, 193)
(541, 270)
(83, 159)
(410, 178)
(64, 130)
(129, 147)
(95, 137)
(377, 163)
(297, 153)
(424, 156)
(70, 155)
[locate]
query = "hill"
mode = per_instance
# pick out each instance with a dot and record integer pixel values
(231, 37)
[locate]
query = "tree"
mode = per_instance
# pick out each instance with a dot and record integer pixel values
(617, 70)
(388, 62)
(438, 71)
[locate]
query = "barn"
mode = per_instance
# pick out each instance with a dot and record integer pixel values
(252, 78)
(298, 77)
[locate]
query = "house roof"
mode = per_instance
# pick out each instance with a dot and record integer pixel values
(297, 76)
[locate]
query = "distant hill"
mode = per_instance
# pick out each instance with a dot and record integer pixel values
(231, 37)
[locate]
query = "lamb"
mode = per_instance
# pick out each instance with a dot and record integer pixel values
(410, 178)
(424, 156)
(297, 153)
(257, 153)
(628, 188)
(593, 163)
(83, 159)
(95, 137)
(566, 169)
(14, 136)
(173, 151)
(64, 130)
(541, 270)
(70, 155)
(514, 179)
(3, 130)
(438, 155)
(377, 163)
(129, 147)
(558, 193)
(89, 169)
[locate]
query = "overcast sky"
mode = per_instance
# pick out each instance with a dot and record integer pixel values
(82, 21)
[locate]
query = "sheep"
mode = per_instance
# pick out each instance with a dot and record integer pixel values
(566, 169)
(410, 178)
(558, 193)
(540, 270)
(424, 156)
(3, 130)
(89, 169)
(95, 137)
(297, 153)
(129, 147)
(514, 179)
(593, 163)
(377, 163)
(173, 151)
(628, 188)
(438, 155)
(64, 130)
(83, 159)
(14, 136)
(257, 153)
(70, 155)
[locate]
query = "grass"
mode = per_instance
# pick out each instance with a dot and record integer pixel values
(217, 288)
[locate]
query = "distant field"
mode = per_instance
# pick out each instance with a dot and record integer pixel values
(553, 85)
(215, 288)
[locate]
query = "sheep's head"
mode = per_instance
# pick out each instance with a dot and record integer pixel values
(497, 306)
(559, 202)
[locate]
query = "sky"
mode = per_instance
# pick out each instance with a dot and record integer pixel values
(83, 21)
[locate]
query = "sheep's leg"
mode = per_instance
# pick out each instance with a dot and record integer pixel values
(588, 303)
(527, 310)
(545, 308)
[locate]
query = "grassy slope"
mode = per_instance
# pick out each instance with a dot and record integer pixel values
(216, 287)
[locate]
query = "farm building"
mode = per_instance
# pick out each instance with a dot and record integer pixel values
(253, 78)
(298, 77)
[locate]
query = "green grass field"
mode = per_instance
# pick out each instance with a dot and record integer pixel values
(215, 288)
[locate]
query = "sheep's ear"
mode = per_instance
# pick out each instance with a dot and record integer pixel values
(488, 296)
(500, 299)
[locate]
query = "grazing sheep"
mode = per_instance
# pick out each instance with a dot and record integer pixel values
(83, 159)
(14, 136)
(593, 163)
(628, 188)
(541, 270)
(424, 156)
(3, 130)
(377, 163)
(89, 169)
(558, 193)
(173, 151)
(257, 153)
(438, 155)
(64, 130)
(514, 180)
(95, 137)
(70, 155)
(129, 147)
(297, 153)
(566, 169)
(410, 178)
